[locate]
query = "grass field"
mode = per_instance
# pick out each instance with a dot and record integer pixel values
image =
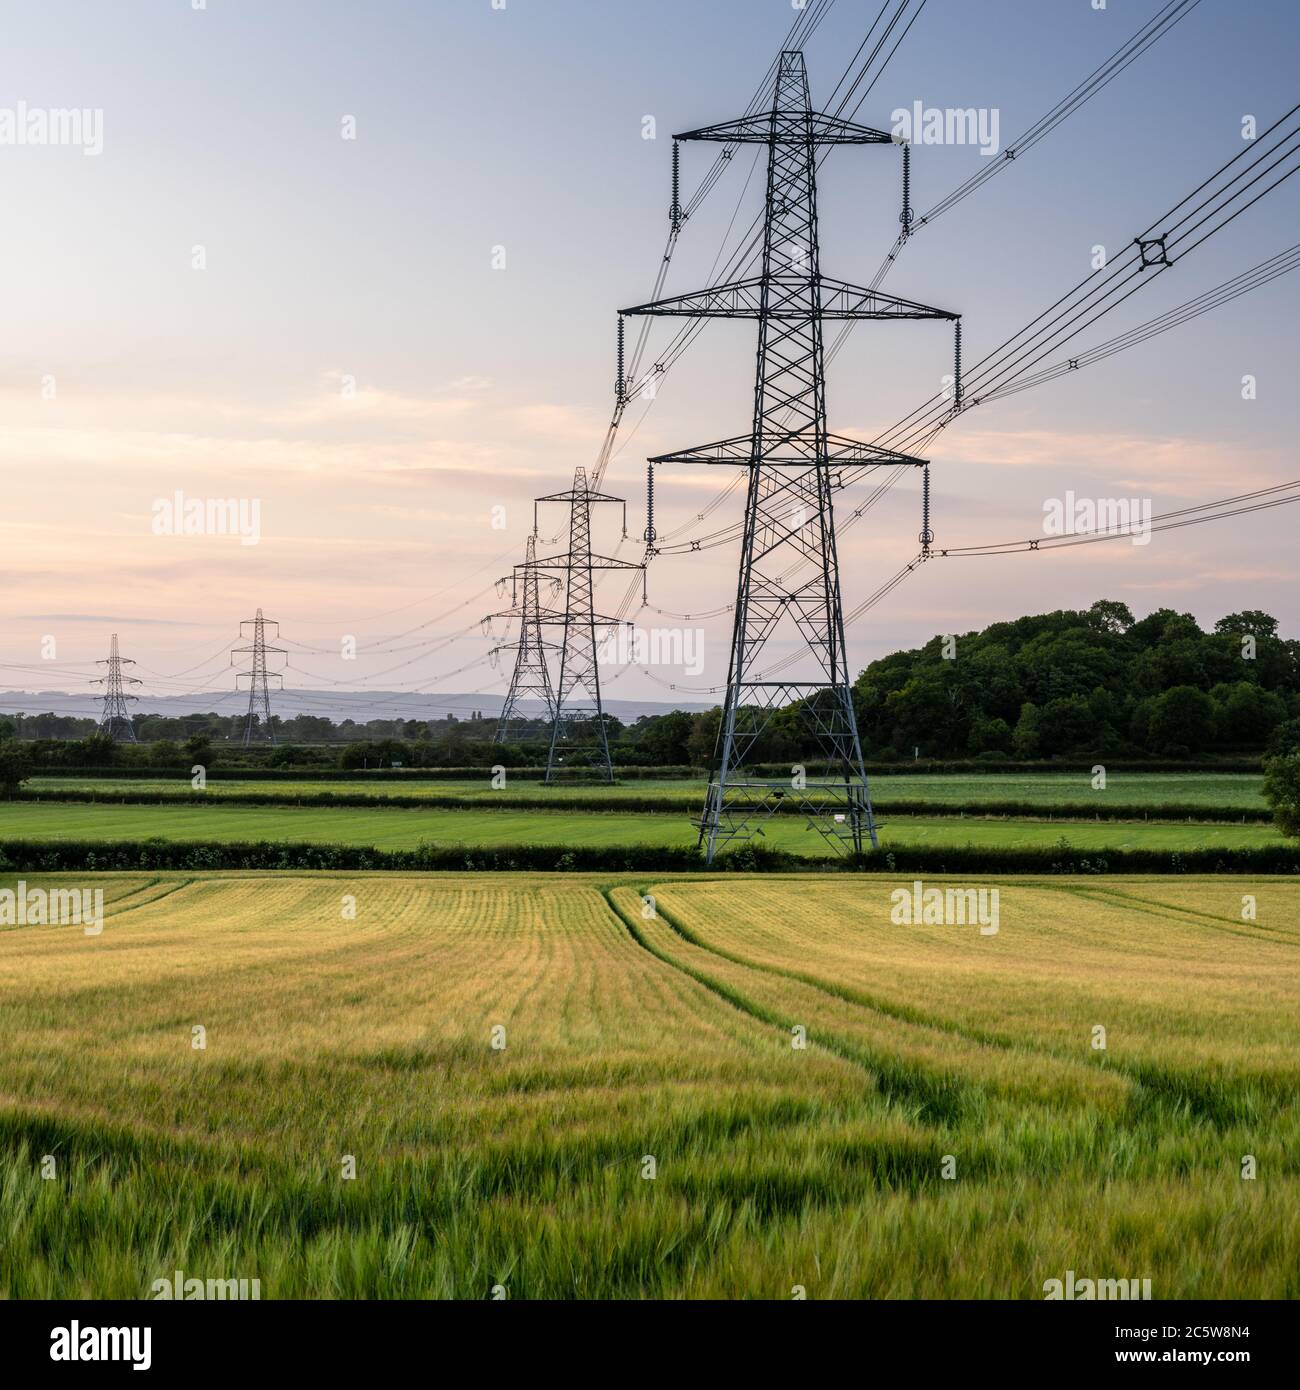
(399, 828)
(930, 1050)
(1229, 791)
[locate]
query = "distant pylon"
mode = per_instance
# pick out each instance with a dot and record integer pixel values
(259, 678)
(531, 678)
(578, 729)
(115, 721)
(789, 582)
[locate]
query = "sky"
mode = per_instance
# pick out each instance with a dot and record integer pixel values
(360, 265)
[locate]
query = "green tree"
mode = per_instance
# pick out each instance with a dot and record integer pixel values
(927, 712)
(1286, 738)
(95, 750)
(1106, 706)
(989, 735)
(15, 767)
(1054, 665)
(309, 728)
(1110, 615)
(378, 753)
(1026, 736)
(1182, 721)
(164, 753)
(703, 736)
(1067, 725)
(989, 681)
(664, 739)
(1250, 621)
(1245, 714)
(1164, 625)
(198, 749)
(1178, 661)
(1282, 792)
(1122, 667)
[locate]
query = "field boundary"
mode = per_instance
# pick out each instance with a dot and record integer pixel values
(53, 856)
(651, 805)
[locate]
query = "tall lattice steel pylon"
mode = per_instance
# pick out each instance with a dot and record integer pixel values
(115, 721)
(531, 678)
(789, 569)
(578, 732)
(259, 678)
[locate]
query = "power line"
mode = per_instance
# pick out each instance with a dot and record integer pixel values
(1280, 495)
(1091, 298)
(1281, 264)
(1128, 52)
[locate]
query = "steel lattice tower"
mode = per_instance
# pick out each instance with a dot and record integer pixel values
(579, 722)
(115, 721)
(531, 678)
(259, 678)
(789, 581)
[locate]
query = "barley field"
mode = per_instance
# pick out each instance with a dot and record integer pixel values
(576, 1086)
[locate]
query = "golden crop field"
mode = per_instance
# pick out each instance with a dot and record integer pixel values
(351, 1085)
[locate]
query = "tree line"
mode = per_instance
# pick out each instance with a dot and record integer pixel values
(1094, 682)
(1090, 683)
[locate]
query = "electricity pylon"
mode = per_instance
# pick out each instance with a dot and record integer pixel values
(578, 727)
(115, 721)
(259, 678)
(789, 568)
(531, 678)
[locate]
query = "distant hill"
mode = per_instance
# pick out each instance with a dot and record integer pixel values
(359, 705)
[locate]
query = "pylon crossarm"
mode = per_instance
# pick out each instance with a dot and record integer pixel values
(794, 127)
(790, 449)
(578, 495)
(841, 300)
(781, 298)
(740, 299)
(520, 611)
(596, 620)
(595, 562)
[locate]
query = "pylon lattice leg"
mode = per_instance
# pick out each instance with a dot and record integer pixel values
(789, 531)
